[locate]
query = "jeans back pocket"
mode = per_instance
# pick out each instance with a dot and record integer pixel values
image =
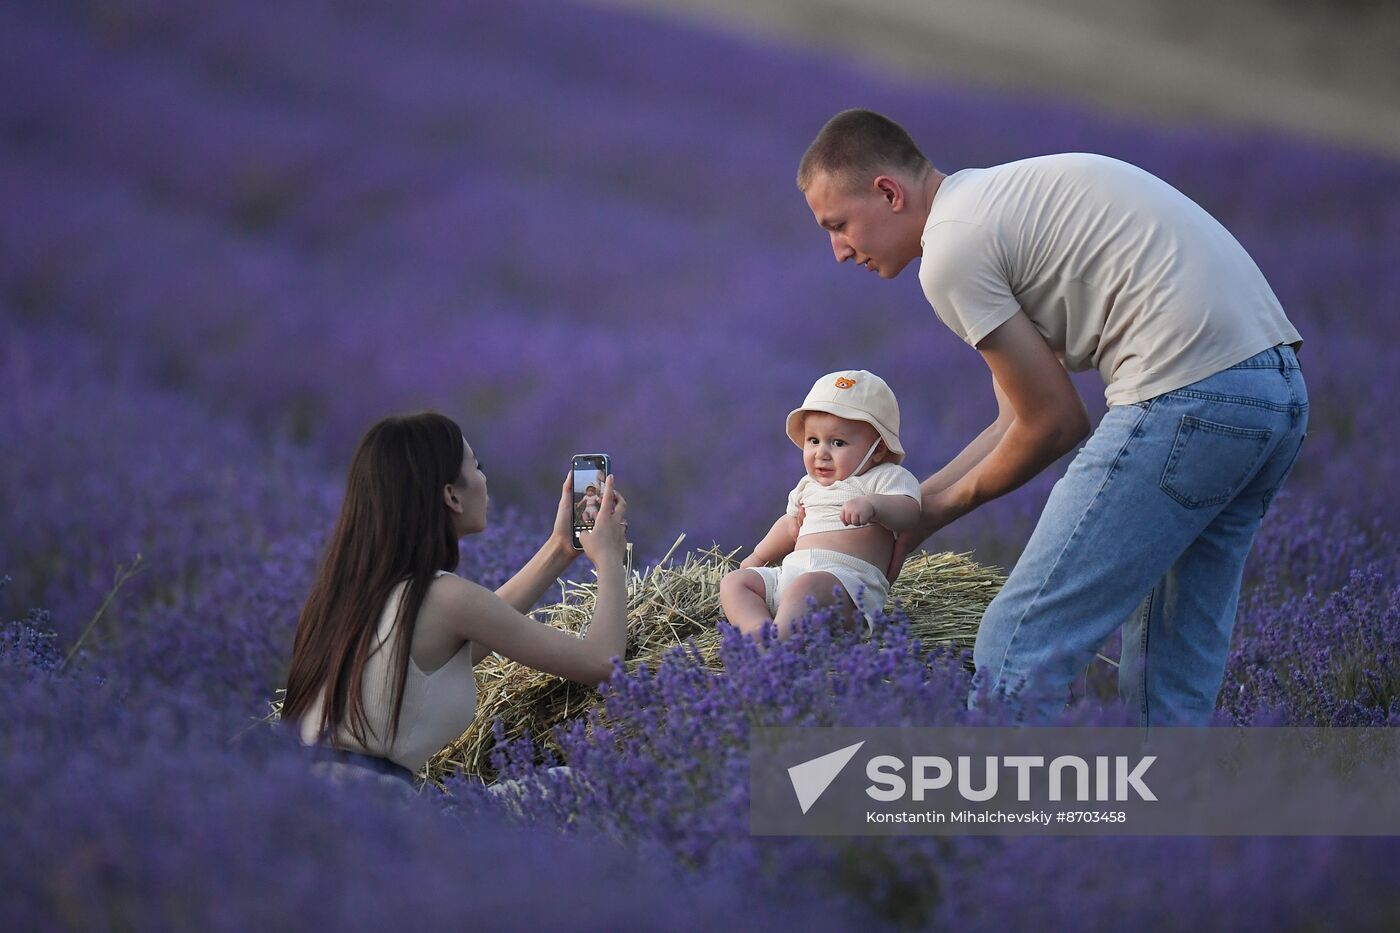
(1210, 462)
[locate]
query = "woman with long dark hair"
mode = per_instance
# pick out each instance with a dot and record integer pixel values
(381, 676)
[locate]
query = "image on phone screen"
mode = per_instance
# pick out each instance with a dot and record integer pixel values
(590, 473)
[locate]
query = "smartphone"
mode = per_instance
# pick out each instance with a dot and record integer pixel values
(590, 473)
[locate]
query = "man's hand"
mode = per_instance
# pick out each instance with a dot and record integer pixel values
(904, 545)
(935, 514)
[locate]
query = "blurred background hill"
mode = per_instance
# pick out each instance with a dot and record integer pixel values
(1328, 69)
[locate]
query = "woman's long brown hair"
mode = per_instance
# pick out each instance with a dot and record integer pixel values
(393, 527)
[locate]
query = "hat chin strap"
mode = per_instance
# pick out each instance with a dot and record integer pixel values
(868, 454)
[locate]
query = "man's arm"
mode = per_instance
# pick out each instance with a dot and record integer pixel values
(976, 451)
(1040, 417)
(1047, 420)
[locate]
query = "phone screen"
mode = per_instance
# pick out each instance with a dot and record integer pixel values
(590, 473)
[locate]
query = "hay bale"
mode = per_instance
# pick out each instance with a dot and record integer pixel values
(943, 595)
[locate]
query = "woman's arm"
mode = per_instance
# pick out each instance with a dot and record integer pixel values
(492, 623)
(524, 589)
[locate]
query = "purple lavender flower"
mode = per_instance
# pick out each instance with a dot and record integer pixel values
(227, 249)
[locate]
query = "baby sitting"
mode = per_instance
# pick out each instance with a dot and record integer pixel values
(837, 536)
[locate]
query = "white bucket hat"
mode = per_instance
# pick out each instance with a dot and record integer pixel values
(858, 395)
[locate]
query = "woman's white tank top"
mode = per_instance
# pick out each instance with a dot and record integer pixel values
(438, 705)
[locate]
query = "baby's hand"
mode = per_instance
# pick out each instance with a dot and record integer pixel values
(858, 511)
(751, 561)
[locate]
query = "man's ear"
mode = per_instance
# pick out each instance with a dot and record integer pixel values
(451, 499)
(891, 190)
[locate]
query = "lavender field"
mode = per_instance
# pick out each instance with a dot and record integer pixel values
(234, 235)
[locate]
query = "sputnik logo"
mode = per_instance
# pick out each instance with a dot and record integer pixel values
(811, 778)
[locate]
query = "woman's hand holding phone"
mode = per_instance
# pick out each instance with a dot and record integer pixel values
(563, 533)
(607, 541)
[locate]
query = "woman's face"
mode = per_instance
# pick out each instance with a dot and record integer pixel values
(471, 494)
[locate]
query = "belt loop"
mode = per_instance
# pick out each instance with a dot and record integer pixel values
(1282, 360)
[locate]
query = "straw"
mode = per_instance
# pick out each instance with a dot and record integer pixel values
(943, 596)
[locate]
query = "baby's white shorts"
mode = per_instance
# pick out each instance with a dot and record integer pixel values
(863, 581)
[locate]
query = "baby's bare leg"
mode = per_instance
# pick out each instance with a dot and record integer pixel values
(820, 587)
(744, 600)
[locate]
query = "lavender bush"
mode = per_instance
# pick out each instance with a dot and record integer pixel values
(235, 235)
(137, 806)
(664, 762)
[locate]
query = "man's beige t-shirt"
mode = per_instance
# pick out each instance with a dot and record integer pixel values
(1117, 269)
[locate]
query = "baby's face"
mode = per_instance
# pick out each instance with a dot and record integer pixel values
(833, 447)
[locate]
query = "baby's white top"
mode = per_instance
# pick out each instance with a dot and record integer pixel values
(824, 503)
(438, 706)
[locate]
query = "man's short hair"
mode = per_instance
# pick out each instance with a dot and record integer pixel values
(859, 143)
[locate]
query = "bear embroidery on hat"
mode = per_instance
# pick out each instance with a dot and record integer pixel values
(843, 383)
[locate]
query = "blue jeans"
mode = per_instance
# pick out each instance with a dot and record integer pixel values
(345, 767)
(1149, 529)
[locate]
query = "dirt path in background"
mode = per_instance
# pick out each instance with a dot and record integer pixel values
(1329, 69)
